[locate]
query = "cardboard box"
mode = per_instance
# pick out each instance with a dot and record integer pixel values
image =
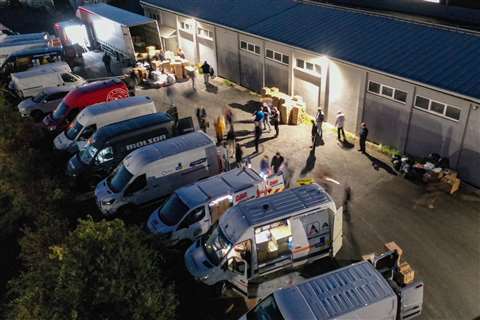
(406, 275)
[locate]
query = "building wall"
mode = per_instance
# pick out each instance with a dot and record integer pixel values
(206, 47)
(276, 73)
(168, 19)
(429, 133)
(186, 40)
(469, 164)
(228, 55)
(346, 87)
(251, 64)
(387, 119)
(308, 84)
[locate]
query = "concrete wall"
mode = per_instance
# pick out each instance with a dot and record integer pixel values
(469, 164)
(346, 87)
(168, 19)
(186, 41)
(276, 73)
(206, 47)
(228, 55)
(305, 84)
(388, 119)
(251, 65)
(431, 133)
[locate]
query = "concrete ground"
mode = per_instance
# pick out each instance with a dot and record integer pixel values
(438, 232)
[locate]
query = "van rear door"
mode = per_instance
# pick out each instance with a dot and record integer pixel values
(337, 233)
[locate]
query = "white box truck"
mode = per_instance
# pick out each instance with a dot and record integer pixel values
(263, 236)
(9, 47)
(153, 172)
(357, 291)
(29, 83)
(90, 119)
(119, 32)
(191, 210)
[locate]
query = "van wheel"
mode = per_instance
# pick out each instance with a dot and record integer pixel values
(37, 115)
(126, 211)
(218, 289)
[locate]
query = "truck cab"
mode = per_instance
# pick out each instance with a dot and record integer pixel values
(263, 236)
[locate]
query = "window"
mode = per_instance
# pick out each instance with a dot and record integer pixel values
(318, 69)
(309, 66)
(193, 217)
(387, 92)
(277, 56)
(204, 33)
(187, 27)
(437, 108)
(68, 77)
(374, 87)
(300, 64)
(249, 47)
(138, 184)
(104, 155)
(400, 96)
(422, 103)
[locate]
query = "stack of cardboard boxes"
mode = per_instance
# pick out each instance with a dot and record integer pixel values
(292, 109)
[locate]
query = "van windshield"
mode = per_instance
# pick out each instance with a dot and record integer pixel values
(60, 112)
(265, 310)
(40, 97)
(119, 179)
(72, 131)
(173, 211)
(88, 153)
(217, 246)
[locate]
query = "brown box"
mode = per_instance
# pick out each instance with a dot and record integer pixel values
(295, 116)
(406, 275)
(392, 246)
(284, 113)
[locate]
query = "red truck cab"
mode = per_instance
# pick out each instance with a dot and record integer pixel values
(82, 97)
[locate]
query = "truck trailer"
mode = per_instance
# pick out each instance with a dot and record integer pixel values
(118, 32)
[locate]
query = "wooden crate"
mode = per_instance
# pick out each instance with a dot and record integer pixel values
(178, 70)
(393, 246)
(284, 113)
(295, 116)
(406, 275)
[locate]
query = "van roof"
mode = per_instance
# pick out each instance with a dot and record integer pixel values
(105, 107)
(37, 72)
(260, 211)
(143, 156)
(77, 97)
(334, 294)
(223, 184)
(104, 134)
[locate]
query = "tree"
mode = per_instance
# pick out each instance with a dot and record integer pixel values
(102, 270)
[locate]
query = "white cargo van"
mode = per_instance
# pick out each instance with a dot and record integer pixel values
(30, 83)
(90, 119)
(357, 291)
(153, 172)
(262, 236)
(192, 210)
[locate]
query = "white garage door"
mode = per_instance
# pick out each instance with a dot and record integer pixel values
(308, 87)
(206, 50)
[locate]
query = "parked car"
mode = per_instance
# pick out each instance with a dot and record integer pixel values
(192, 210)
(83, 97)
(153, 172)
(263, 236)
(43, 103)
(29, 83)
(97, 116)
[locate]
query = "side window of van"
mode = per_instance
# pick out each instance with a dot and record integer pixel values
(56, 96)
(66, 77)
(72, 114)
(138, 184)
(88, 131)
(193, 217)
(104, 155)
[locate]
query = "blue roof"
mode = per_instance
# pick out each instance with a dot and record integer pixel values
(112, 13)
(238, 14)
(441, 57)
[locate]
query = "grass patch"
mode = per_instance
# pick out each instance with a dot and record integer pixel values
(228, 83)
(388, 150)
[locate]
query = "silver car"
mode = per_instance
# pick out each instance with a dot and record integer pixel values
(43, 103)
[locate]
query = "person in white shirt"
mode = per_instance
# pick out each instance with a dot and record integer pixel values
(339, 123)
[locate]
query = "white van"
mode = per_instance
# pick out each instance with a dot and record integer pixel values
(192, 210)
(29, 83)
(357, 291)
(90, 119)
(266, 235)
(153, 172)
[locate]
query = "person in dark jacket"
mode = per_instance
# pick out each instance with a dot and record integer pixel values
(238, 154)
(363, 137)
(258, 133)
(206, 72)
(107, 60)
(276, 120)
(314, 135)
(277, 161)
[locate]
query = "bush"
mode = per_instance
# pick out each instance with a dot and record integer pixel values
(102, 270)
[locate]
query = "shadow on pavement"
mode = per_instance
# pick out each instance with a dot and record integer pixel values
(310, 164)
(249, 107)
(345, 144)
(211, 88)
(379, 164)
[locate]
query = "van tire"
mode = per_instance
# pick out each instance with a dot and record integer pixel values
(37, 115)
(218, 289)
(126, 211)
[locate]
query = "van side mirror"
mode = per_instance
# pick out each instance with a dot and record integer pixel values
(44, 101)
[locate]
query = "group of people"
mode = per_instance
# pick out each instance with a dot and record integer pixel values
(266, 116)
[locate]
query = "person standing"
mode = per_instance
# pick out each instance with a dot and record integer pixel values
(231, 142)
(220, 128)
(238, 154)
(339, 123)
(192, 77)
(363, 137)
(258, 133)
(314, 135)
(320, 118)
(277, 162)
(264, 167)
(206, 72)
(229, 117)
(266, 119)
(202, 119)
(259, 116)
(107, 60)
(275, 120)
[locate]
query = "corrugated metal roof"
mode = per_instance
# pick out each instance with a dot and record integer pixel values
(238, 14)
(337, 293)
(440, 57)
(121, 16)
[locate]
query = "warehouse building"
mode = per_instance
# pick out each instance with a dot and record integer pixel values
(416, 85)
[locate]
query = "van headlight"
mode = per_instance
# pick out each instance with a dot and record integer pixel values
(204, 278)
(108, 202)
